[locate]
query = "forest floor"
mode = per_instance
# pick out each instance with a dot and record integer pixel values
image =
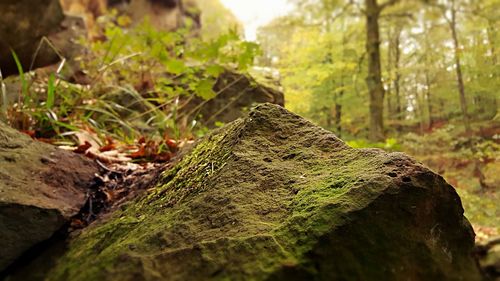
(470, 164)
(475, 173)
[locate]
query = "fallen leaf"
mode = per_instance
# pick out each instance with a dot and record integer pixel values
(81, 149)
(172, 145)
(163, 157)
(30, 133)
(110, 145)
(139, 154)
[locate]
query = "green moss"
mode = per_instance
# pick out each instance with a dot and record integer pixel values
(272, 197)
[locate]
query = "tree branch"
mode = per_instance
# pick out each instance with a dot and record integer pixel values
(356, 3)
(398, 15)
(387, 4)
(443, 10)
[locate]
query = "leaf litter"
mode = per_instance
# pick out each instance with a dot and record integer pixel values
(125, 171)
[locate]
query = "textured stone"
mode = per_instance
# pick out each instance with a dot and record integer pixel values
(41, 187)
(237, 93)
(274, 197)
(23, 23)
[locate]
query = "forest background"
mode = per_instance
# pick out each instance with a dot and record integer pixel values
(415, 76)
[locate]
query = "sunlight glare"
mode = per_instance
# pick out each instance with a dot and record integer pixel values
(256, 13)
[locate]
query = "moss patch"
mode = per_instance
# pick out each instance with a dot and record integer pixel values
(273, 197)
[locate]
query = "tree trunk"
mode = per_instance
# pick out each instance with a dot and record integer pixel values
(390, 52)
(428, 98)
(338, 114)
(329, 116)
(420, 106)
(397, 80)
(490, 31)
(428, 84)
(460, 79)
(374, 78)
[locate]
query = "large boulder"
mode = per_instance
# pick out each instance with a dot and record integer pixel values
(274, 197)
(489, 258)
(236, 94)
(166, 15)
(41, 188)
(23, 24)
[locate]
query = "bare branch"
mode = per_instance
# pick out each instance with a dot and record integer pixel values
(398, 15)
(443, 10)
(343, 11)
(387, 4)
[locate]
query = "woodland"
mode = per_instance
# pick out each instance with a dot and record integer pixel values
(425, 83)
(149, 140)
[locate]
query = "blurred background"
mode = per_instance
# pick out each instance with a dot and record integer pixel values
(417, 76)
(438, 84)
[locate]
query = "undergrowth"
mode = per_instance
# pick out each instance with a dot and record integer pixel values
(135, 83)
(467, 163)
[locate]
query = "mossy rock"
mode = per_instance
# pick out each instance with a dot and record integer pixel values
(237, 94)
(489, 258)
(23, 24)
(41, 188)
(274, 197)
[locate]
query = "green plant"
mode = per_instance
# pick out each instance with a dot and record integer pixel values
(29, 103)
(24, 83)
(390, 144)
(3, 92)
(142, 80)
(157, 74)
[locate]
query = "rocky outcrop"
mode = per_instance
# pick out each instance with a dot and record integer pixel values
(41, 187)
(166, 15)
(236, 94)
(23, 23)
(273, 197)
(489, 258)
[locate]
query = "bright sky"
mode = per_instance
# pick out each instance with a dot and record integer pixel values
(256, 13)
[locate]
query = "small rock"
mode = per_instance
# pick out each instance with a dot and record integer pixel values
(39, 194)
(23, 23)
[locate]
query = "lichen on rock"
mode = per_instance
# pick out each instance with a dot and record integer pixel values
(274, 197)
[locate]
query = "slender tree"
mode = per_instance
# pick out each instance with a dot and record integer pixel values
(450, 14)
(374, 78)
(458, 65)
(397, 70)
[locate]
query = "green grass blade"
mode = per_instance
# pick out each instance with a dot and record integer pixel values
(4, 114)
(51, 91)
(67, 126)
(24, 83)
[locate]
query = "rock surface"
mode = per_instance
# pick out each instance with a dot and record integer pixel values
(489, 258)
(273, 197)
(23, 23)
(166, 15)
(41, 187)
(237, 94)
